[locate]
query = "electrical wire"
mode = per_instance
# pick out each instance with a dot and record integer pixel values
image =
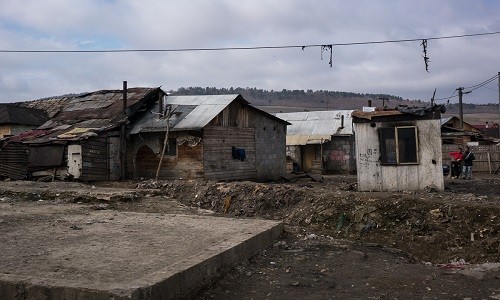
(250, 48)
(447, 99)
(469, 89)
(475, 87)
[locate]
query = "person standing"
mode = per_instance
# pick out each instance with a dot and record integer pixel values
(468, 157)
(456, 161)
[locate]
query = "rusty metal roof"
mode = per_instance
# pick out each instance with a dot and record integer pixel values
(378, 113)
(14, 114)
(316, 127)
(84, 115)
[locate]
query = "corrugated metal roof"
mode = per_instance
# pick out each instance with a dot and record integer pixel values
(445, 120)
(187, 112)
(315, 127)
(206, 108)
(14, 114)
(190, 112)
(81, 116)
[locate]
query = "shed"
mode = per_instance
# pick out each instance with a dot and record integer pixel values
(320, 141)
(214, 137)
(84, 138)
(399, 150)
(15, 119)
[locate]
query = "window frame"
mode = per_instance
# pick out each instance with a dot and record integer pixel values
(385, 134)
(173, 151)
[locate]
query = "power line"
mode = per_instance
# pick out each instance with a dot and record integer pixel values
(251, 48)
(447, 99)
(470, 89)
(475, 87)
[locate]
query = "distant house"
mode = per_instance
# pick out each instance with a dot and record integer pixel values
(489, 129)
(15, 119)
(453, 133)
(320, 141)
(214, 137)
(398, 150)
(84, 139)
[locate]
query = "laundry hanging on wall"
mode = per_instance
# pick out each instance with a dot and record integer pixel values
(238, 153)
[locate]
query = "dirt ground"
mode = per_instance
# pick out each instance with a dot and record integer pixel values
(338, 244)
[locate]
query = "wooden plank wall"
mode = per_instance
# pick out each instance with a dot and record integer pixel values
(95, 159)
(217, 152)
(487, 157)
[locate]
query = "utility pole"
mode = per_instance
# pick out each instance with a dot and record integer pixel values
(383, 101)
(460, 109)
(498, 105)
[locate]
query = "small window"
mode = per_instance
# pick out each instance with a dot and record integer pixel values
(172, 147)
(398, 145)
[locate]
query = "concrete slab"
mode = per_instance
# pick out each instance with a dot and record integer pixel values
(72, 252)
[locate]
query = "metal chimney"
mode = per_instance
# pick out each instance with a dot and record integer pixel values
(125, 97)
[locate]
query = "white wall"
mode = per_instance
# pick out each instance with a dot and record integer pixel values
(372, 176)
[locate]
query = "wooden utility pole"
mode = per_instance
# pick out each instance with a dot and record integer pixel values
(460, 109)
(165, 142)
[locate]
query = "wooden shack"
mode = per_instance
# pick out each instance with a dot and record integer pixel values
(214, 137)
(84, 139)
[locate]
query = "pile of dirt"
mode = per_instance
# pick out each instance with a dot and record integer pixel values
(461, 223)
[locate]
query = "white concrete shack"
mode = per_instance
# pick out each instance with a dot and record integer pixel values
(398, 150)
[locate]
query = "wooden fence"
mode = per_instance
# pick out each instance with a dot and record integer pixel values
(487, 157)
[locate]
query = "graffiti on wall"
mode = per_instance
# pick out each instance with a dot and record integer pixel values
(368, 158)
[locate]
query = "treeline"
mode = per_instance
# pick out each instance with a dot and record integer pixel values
(283, 94)
(472, 108)
(276, 101)
(320, 99)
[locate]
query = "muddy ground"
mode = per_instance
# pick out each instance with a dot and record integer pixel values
(338, 243)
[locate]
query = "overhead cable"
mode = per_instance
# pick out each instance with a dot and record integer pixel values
(250, 48)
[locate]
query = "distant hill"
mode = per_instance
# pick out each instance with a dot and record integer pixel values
(471, 108)
(299, 100)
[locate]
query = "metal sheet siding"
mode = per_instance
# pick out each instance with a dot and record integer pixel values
(14, 161)
(373, 176)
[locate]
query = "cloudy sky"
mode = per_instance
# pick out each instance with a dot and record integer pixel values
(390, 68)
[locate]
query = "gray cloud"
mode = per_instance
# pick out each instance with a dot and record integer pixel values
(395, 68)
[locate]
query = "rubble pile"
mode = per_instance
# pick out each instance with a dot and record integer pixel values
(432, 226)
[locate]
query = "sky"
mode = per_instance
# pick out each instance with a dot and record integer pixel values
(388, 68)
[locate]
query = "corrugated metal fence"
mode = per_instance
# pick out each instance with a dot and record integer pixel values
(487, 157)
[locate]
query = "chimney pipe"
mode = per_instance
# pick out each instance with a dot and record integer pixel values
(369, 103)
(342, 121)
(125, 97)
